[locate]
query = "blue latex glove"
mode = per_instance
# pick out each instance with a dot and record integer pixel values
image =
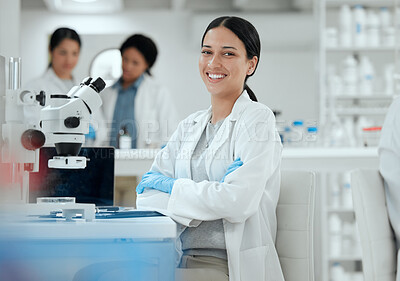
(157, 181)
(236, 164)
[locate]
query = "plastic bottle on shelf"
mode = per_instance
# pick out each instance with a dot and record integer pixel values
(388, 32)
(347, 197)
(298, 133)
(367, 75)
(345, 26)
(312, 136)
(333, 133)
(124, 139)
(389, 79)
(373, 29)
(385, 17)
(360, 19)
(335, 224)
(350, 75)
(337, 272)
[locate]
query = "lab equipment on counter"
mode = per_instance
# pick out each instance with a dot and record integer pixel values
(65, 121)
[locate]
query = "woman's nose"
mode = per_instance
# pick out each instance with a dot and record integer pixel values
(214, 61)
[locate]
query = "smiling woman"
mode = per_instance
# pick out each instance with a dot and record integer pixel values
(219, 174)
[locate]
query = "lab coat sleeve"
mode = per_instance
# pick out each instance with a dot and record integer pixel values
(164, 163)
(258, 145)
(389, 164)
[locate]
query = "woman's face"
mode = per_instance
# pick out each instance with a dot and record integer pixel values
(64, 58)
(223, 62)
(133, 65)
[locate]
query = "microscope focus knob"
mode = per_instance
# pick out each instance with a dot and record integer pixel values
(72, 122)
(32, 139)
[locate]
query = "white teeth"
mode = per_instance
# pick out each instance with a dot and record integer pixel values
(216, 76)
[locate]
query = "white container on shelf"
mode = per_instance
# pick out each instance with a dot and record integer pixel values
(337, 272)
(347, 197)
(359, 24)
(345, 26)
(373, 29)
(385, 17)
(312, 136)
(389, 79)
(388, 37)
(367, 75)
(350, 75)
(335, 224)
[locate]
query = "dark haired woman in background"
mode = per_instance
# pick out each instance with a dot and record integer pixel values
(64, 49)
(136, 104)
(219, 175)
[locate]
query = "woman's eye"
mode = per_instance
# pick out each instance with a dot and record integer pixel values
(229, 54)
(205, 52)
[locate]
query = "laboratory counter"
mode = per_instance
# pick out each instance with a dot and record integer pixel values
(136, 162)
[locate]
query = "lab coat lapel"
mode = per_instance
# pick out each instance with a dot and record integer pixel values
(225, 132)
(199, 125)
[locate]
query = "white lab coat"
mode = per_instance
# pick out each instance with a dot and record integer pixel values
(155, 115)
(389, 164)
(247, 199)
(51, 84)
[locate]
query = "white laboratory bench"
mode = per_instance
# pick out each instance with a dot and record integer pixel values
(137, 249)
(136, 162)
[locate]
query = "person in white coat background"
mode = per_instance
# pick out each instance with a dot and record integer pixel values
(219, 175)
(64, 50)
(389, 164)
(136, 104)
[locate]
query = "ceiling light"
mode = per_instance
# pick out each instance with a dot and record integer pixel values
(84, 6)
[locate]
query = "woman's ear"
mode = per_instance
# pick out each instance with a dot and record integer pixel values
(252, 65)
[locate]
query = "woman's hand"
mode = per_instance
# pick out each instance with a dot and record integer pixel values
(236, 164)
(157, 181)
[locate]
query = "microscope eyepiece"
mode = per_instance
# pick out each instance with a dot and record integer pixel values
(98, 85)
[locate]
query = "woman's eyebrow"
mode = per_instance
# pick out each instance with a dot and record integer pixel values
(224, 47)
(228, 47)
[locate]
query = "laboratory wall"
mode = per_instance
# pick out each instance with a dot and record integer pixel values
(285, 79)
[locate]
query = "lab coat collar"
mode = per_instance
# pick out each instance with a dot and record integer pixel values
(224, 131)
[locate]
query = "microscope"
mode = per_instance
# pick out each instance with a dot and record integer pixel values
(64, 121)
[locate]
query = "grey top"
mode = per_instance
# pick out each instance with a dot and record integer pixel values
(208, 238)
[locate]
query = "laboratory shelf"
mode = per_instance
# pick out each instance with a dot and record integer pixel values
(367, 3)
(361, 111)
(377, 96)
(345, 258)
(362, 49)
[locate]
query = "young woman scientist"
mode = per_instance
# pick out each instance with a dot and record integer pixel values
(219, 175)
(136, 101)
(64, 49)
